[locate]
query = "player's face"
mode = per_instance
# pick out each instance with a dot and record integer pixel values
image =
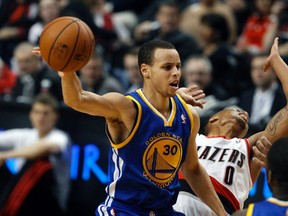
(165, 72)
(43, 118)
(240, 119)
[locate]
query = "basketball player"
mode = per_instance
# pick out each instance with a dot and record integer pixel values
(227, 156)
(151, 130)
(277, 180)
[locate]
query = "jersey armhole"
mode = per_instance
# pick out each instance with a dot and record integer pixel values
(134, 129)
(249, 152)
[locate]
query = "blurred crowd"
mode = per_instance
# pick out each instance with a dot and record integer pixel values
(223, 45)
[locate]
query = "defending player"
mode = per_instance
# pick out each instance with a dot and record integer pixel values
(227, 157)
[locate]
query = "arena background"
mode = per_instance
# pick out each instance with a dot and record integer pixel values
(89, 173)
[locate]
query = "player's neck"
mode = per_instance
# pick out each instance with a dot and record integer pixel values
(225, 131)
(162, 104)
(43, 134)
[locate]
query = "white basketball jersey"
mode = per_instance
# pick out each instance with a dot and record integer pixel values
(227, 163)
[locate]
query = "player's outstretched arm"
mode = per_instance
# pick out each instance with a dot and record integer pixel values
(196, 175)
(278, 65)
(111, 105)
(277, 126)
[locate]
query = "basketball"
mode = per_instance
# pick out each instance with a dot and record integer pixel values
(66, 44)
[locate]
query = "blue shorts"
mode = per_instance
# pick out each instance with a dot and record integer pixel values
(120, 209)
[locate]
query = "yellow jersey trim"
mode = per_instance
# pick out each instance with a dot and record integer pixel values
(250, 210)
(278, 202)
(127, 140)
(168, 122)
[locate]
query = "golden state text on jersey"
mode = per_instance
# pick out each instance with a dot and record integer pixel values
(145, 165)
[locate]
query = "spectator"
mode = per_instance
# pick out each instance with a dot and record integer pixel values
(7, 79)
(105, 19)
(280, 8)
(130, 61)
(277, 163)
(48, 11)
(191, 17)
(42, 157)
(16, 17)
(241, 10)
(148, 13)
(166, 27)
(259, 30)
(198, 70)
(33, 76)
(81, 10)
(264, 99)
(95, 78)
(214, 32)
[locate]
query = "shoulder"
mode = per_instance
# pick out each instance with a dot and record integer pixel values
(17, 132)
(59, 136)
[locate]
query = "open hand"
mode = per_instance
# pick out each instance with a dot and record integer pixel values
(274, 51)
(192, 95)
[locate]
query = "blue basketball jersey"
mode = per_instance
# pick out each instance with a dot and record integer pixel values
(144, 167)
(269, 207)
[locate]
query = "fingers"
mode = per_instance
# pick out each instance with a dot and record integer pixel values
(199, 94)
(276, 42)
(36, 51)
(61, 74)
(257, 161)
(274, 51)
(200, 103)
(261, 150)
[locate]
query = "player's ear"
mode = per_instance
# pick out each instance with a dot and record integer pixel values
(144, 69)
(213, 118)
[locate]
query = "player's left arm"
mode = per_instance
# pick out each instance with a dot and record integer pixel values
(277, 126)
(196, 175)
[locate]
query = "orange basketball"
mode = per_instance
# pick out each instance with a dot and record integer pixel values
(67, 44)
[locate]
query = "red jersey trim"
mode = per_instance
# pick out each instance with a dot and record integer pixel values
(249, 159)
(220, 189)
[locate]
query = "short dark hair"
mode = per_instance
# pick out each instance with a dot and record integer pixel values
(47, 99)
(147, 51)
(278, 160)
(168, 3)
(133, 51)
(219, 24)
